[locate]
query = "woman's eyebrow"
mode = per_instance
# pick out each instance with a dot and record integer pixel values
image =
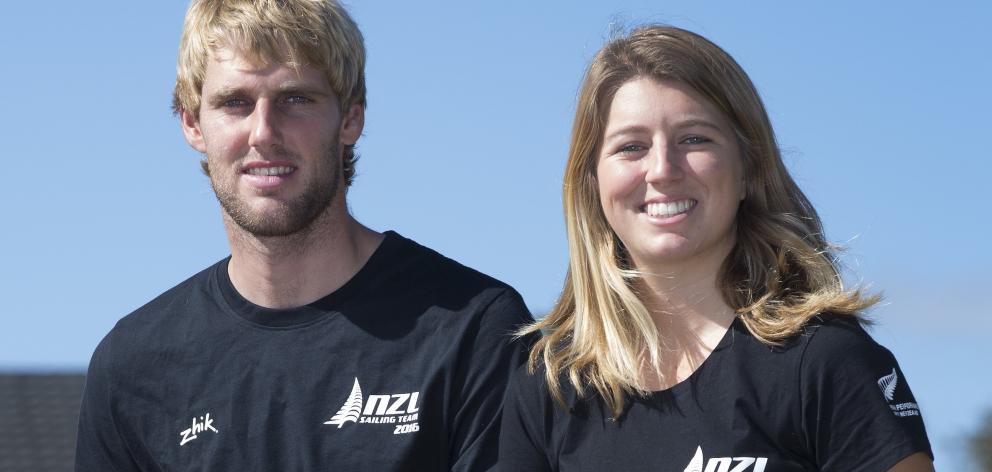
(628, 129)
(694, 121)
(681, 124)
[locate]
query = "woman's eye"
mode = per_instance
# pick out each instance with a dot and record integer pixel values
(695, 140)
(630, 148)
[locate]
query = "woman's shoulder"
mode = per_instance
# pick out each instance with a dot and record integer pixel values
(823, 336)
(850, 383)
(837, 338)
(827, 345)
(530, 383)
(836, 325)
(840, 359)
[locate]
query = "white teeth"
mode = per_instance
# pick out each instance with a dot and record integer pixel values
(270, 170)
(669, 209)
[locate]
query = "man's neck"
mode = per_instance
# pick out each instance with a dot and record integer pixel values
(292, 271)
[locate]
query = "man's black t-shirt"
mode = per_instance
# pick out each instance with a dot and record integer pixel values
(830, 400)
(402, 368)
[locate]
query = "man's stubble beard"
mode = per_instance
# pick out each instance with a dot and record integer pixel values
(295, 216)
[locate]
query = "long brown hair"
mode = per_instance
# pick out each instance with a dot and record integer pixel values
(780, 273)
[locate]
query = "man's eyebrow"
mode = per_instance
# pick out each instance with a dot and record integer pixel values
(223, 94)
(302, 89)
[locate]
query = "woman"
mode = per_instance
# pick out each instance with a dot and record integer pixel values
(703, 325)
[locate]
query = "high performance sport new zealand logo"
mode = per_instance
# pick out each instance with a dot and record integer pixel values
(392, 409)
(888, 385)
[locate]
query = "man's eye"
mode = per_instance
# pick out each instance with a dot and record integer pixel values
(298, 99)
(234, 103)
(696, 140)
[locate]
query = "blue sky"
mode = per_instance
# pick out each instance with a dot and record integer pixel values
(883, 113)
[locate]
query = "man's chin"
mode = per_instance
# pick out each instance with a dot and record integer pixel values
(273, 221)
(269, 229)
(281, 215)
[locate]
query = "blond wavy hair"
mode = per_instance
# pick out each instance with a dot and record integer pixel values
(295, 33)
(780, 273)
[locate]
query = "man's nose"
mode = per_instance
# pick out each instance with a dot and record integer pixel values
(264, 125)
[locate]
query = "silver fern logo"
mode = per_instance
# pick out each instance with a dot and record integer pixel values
(723, 464)
(696, 464)
(888, 384)
(352, 408)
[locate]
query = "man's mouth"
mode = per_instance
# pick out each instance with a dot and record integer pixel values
(277, 170)
(668, 209)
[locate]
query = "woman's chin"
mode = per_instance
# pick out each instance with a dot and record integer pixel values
(675, 252)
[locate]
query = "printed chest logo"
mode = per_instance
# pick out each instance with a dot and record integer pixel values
(398, 409)
(725, 464)
(205, 423)
(888, 385)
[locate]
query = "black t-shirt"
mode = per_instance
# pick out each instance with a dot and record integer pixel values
(830, 400)
(402, 368)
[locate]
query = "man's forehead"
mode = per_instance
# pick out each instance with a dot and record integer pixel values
(234, 79)
(225, 65)
(246, 60)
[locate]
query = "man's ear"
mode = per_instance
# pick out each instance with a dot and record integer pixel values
(191, 130)
(352, 124)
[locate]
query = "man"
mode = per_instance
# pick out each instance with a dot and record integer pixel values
(319, 344)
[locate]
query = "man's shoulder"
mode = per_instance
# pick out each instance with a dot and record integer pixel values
(155, 327)
(431, 263)
(446, 275)
(168, 310)
(450, 283)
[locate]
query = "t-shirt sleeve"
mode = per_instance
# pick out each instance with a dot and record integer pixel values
(487, 364)
(99, 442)
(858, 411)
(526, 427)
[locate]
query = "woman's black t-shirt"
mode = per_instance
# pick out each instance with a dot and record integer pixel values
(832, 399)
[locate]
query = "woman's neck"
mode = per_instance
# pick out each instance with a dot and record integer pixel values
(690, 314)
